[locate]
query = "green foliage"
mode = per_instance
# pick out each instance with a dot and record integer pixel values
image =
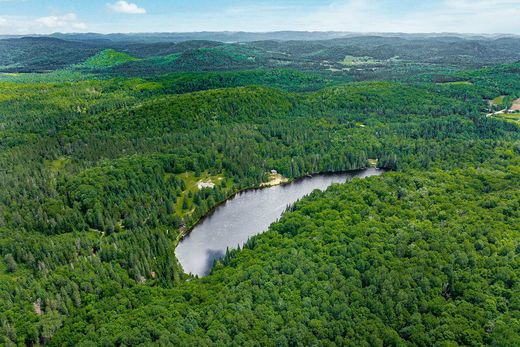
(10, 263)
(107, 58)
(99, 178)
(287, 79)
(407, 258)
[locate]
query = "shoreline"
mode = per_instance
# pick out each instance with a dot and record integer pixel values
(187, 231)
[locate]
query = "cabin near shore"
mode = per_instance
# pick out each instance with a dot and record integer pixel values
(209, 184)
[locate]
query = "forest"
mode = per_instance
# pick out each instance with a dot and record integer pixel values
(102, 142)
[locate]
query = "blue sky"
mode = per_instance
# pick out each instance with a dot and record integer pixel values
(105, 16)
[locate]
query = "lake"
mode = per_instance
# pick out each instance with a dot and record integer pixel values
(247, 214)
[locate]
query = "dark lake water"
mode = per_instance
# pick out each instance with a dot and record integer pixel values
(247, 214)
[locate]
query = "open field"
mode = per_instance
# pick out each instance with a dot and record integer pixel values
(274, 180)
(516, 106)
(498, 100)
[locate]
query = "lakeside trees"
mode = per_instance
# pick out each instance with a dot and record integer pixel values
(406, 258)
(98, 175)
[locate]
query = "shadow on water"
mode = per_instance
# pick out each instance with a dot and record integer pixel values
(211, 256)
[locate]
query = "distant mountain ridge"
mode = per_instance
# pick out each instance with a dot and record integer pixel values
(241, 36)
(238, 50)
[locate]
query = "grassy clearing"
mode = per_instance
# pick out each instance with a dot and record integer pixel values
(373, 162)
(510, 117)
(499, 100)
(354, 61)
(191, 181)
(274, 180)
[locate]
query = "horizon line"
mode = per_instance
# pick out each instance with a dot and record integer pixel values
(266, 32)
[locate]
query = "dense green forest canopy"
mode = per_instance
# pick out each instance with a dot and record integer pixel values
(102, 143)
(341, 53)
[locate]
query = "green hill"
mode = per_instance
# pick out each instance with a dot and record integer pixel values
(99, 175)
(224, 57)
(108, 58)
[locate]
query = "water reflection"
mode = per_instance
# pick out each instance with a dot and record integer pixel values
(212, 255)
(248, 214)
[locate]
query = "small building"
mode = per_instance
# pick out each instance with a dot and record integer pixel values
(202, 185)
(274, 172)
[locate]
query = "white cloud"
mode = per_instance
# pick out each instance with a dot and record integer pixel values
(67, 21)
(257, 9)
(471, 16)
(126, 7)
